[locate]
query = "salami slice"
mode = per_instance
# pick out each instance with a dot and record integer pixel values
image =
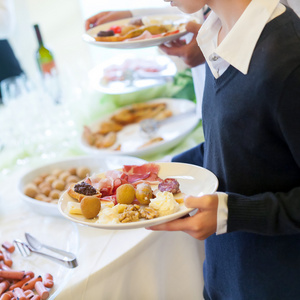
(169, 185)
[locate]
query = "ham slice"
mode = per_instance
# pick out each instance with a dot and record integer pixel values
(146, 172)
(132, 174)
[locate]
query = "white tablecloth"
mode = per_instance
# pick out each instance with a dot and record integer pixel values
(130, 264)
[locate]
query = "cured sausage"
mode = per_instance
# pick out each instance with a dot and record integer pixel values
(7, 296)
(169, 185)
(8, 246)
(29, 294)
(29, 285)
(41, 290)
(19, 294)
(4, 286)
(7, 258)
(11, 274)
(20, 283)
(48, 281)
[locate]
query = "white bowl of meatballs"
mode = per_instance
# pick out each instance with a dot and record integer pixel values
(41, 187)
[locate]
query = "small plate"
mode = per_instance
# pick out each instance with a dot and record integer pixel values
(134, 44)
(131, 139)
(129, 73)
(95, 164)
(193, 180)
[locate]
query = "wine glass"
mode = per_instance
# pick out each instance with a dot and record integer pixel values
(12, 88)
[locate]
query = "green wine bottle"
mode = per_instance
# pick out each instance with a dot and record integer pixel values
(44, 56)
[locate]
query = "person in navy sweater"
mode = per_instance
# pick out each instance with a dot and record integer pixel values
(251, 123)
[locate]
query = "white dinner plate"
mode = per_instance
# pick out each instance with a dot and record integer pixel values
(96, 165)
(193, 180)
(129, 73)
(130, 137)
(56, 232)
(134, 44)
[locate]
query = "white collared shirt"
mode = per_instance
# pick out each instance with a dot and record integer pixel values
(236, 49)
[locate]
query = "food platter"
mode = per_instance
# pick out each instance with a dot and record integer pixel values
(131, 140)
(95, 164)
(129, 73)
(48, 231)
(90, 35)
(193, 180)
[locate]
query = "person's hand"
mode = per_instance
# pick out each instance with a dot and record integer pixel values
(106, 16)
(190, 53)
(202, 224)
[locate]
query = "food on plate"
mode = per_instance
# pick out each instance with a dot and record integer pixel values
(128, 195)
(48, 187)
(151, 142)
(144, 193)
(131, 69)
(20, 284)
(8, 246)
(41, 290)
(90, 206)
(48, 280)
(105, 134)
(169, 185)
(125, 194)
(164, 203)
(139, 29)
(82, 189)
(133, 32)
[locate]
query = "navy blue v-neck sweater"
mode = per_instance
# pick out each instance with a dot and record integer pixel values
(252, 143)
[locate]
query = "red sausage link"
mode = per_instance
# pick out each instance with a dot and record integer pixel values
(48, 281)
(41, 290)
(36, 297)
(8, 246)
(4, 286)
(1, 255)
(30, 273)
(11, 274)
(6, 296)
(29, 285)
(7, 259)
(4, 267)
(29, 294)
(19, 294)
(20, 283)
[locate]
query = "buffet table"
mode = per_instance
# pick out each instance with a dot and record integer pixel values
(125, 264)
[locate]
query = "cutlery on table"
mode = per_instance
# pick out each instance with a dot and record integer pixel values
(66, 259)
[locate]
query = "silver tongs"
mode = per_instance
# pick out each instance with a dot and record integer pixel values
(64, 258)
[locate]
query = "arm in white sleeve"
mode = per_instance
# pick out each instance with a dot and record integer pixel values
(222, 214)
(7, 18)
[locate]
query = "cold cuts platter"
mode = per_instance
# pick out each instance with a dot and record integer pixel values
(167, 183)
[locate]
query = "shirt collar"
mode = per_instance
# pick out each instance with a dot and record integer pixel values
(238, 46)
